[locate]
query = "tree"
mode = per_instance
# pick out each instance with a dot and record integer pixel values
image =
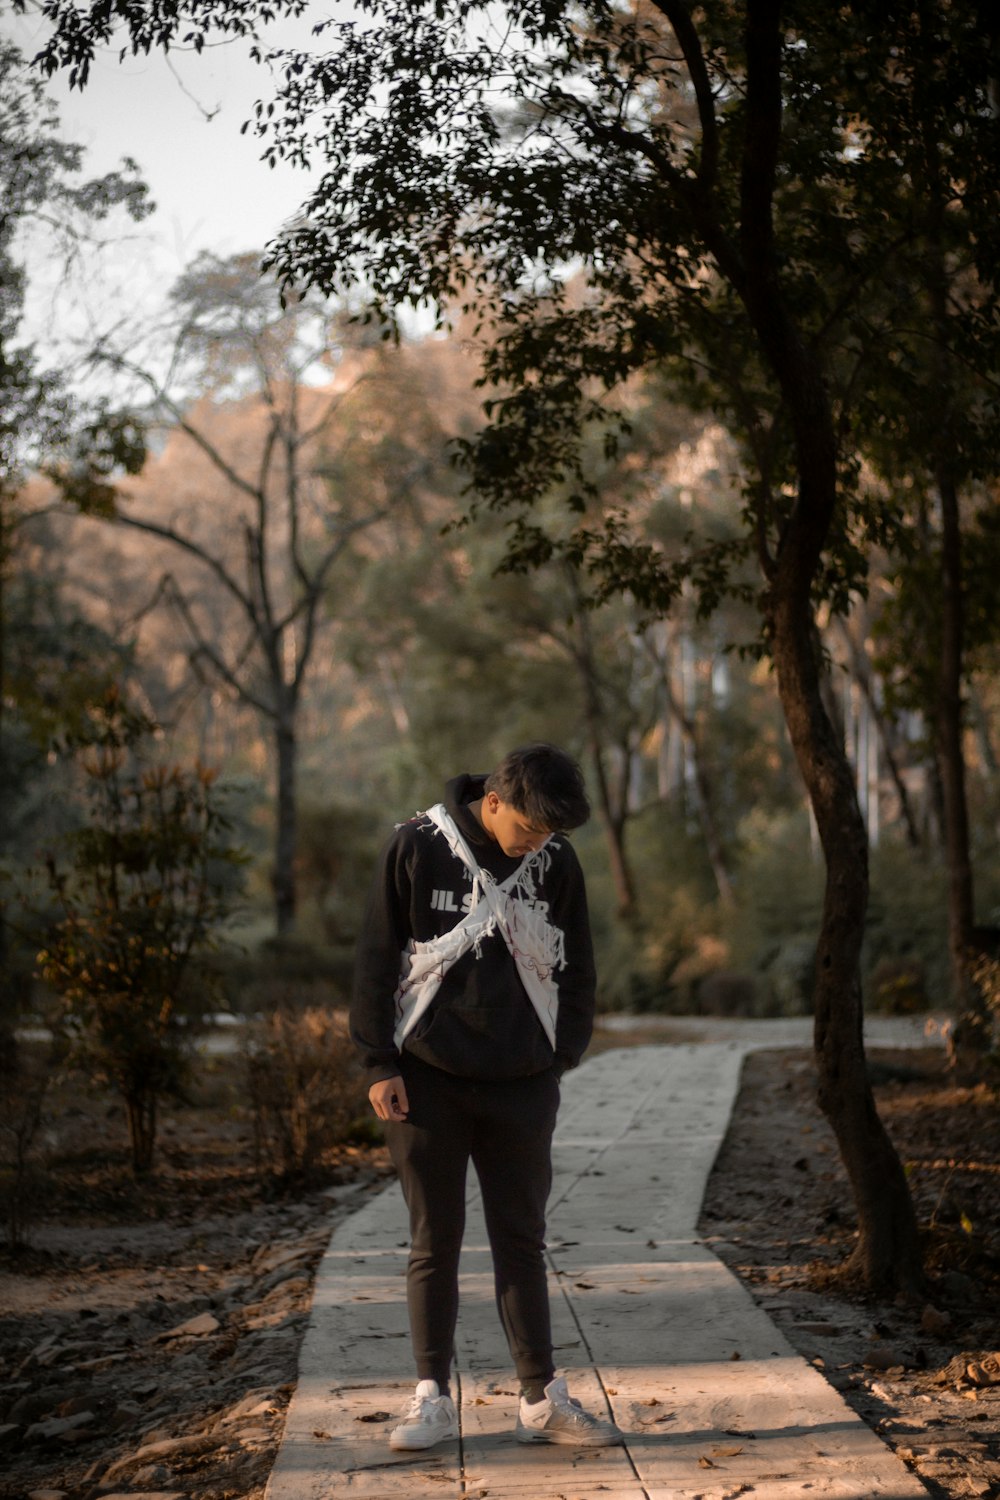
(700, 166)
(45, 199)
(151, 876)
(42, 188)
(261, 438)
(924, 414)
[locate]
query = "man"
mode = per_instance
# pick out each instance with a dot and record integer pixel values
(474, 992)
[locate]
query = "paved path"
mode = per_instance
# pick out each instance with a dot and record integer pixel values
(647, 1322)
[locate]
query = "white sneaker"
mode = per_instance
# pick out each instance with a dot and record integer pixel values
(558, 1418)
(430, 1418)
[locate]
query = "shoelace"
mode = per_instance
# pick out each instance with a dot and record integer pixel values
(419, 1406)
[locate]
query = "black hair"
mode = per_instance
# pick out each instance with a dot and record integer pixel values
(544, 785)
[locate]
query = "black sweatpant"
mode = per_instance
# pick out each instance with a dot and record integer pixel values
(505, 1129)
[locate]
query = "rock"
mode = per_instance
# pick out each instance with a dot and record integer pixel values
(956, 1284)
(884, 1357)
(51, 1397)
(102, 1361)
(165, 1448)
(935, 1468)
(57, 1427)
(42, 1350)
(985, 1370)
(965, 1369)
(253, 1435)
(124, 1414)
(254, 1404)
(257, 1321)
(269, 1260)
(934, 1322)
(74, 1405)
(198, 1327)
(152, 1474)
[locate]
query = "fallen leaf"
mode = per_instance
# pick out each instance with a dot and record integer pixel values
(736, 1354)
(319, 1433)
(726, 1452)
(368, 1416)
(706, 1463)
(585, 1286)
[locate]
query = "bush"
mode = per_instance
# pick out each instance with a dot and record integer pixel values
(907, 929)
(898, 988)
(147, 881)
(305, 1085)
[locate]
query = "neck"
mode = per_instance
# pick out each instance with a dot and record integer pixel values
(481, 813)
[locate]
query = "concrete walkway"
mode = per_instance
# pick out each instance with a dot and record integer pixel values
(647, 1322)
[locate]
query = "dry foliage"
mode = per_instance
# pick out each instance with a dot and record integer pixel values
(305, 1086)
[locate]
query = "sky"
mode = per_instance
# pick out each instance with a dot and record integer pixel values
(180, 120)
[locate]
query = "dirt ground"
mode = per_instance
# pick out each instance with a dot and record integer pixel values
(924, 1374)
(149, 1336)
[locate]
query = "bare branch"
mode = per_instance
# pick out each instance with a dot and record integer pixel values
(188, 544)
(203, 648)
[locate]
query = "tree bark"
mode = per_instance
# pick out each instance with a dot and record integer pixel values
(140, 1111)
(973, 1032)
(888, 1251)
(283, 874)
(612, 812)
(705, 805)
(613, 822)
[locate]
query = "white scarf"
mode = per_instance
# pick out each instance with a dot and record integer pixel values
(537, 948)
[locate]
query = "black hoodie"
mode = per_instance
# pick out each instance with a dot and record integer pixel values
(481, 1023)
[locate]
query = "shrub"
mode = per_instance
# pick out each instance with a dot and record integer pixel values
(149, 878)
(305, 1085)
(898, 987)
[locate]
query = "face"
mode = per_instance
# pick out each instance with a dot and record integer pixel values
(512, 831)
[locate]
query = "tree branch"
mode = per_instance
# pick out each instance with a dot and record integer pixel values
(187, 544)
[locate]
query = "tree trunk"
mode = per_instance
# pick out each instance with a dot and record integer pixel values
(705, 805)
(973, 1030)
(283, 874)
(613, 823)
(612, 817)
(887, 1253)
(948, 727)
(140, 1111)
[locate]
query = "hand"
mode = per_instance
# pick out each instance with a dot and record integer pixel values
(388, 1099)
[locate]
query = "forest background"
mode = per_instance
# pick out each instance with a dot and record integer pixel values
(758, 428)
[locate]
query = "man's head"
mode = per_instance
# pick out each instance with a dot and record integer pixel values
(534, 791)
